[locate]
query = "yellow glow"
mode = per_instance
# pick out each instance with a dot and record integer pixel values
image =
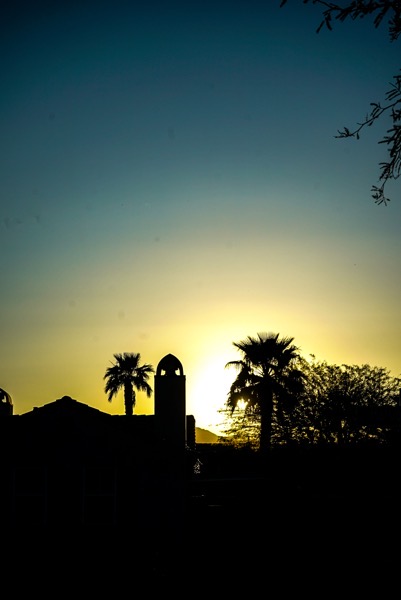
(241, 405)
(207, 392)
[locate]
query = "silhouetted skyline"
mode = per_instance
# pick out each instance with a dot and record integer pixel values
(170, 182)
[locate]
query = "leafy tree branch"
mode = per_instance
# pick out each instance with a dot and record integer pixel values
(389, 10)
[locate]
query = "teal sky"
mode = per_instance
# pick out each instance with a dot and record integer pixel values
(170, 183)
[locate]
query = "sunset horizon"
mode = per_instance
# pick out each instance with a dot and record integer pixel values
(171, 182)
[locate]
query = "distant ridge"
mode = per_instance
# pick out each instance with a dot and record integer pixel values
(203, 436)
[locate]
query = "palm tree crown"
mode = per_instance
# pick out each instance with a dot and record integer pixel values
(128, 374)
(268, 374)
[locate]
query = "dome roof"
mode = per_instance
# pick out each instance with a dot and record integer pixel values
(5, 397)
(169, 365)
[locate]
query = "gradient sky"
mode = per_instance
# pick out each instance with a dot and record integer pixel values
(170, 183)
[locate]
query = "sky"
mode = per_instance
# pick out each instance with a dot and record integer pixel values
(170, 182)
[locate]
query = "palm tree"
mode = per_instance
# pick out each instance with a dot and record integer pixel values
(128, 373)
(268, 376)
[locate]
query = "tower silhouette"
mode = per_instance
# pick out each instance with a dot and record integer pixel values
(6, 404)
(170, 402)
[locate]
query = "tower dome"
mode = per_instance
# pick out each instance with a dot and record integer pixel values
(170, 365)
(6, 404)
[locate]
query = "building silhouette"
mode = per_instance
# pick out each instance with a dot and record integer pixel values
(66, 466)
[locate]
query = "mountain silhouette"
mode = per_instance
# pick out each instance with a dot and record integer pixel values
(204, 436)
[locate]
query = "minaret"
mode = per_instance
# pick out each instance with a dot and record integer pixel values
(169, 407)
(169, 396)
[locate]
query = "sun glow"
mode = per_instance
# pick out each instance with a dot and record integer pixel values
(208, 391)
(241, 405)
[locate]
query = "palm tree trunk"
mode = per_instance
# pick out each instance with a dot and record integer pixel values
(129, 399)
(266, 413)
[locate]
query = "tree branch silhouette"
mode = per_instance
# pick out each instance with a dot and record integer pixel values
(390, 10)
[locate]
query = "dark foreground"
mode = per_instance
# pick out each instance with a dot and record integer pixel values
(325, 529)
(319, 545)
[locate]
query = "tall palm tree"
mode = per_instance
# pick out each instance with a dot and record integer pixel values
(127, 373)
(268, 375)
